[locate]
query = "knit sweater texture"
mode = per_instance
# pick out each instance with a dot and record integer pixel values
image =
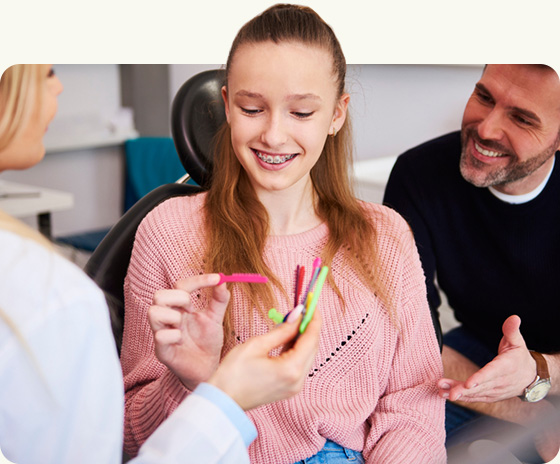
(372, 385)
(492, 259)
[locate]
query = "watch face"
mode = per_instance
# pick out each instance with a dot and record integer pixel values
(538, 391)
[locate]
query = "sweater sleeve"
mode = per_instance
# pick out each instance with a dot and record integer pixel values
(410, 415)
(152, 392)
(402, 195)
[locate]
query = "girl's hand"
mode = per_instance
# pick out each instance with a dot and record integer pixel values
(187, 341)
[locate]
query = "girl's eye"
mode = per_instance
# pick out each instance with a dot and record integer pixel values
(300, 115)
(250, 112)
(50, 73)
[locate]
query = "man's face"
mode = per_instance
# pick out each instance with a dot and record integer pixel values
(511, 128)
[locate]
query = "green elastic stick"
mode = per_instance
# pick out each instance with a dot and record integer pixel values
(276, 317)
(318, 287)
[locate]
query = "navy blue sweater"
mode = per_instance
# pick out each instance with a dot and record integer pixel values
(492, 259)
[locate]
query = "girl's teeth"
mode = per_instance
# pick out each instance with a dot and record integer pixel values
(276, 159)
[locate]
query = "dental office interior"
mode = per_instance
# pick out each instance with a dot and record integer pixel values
(104, 107)
(91, 163)
(86, 171)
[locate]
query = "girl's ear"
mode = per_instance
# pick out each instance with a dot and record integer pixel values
(226, 104)
(340, 112)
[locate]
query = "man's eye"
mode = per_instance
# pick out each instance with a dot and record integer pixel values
(484, 97)
(523, 121)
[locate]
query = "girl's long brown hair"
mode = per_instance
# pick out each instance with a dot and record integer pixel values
(237, 223)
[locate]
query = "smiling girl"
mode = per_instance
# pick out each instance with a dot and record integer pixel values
(280, 197)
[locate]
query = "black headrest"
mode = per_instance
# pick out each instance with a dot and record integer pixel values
(196, 115)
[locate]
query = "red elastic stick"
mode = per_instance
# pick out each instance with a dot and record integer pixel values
(300, 282)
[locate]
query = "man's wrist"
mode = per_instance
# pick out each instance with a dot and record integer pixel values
(534, 374)
(553, 361)
(539, 388)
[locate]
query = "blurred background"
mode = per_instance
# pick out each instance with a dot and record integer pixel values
(393, 108)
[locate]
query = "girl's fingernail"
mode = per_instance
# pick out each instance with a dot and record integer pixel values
(294, 314)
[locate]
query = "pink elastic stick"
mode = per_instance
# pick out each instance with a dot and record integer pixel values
(252, 278)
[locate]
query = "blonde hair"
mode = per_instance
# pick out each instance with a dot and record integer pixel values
(237, 223)
(19, 98)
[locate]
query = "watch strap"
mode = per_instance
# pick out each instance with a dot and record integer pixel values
(542, 365)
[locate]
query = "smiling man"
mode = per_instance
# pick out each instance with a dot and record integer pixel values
(484, 205)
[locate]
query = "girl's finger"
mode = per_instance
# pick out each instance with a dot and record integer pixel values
(160, 317)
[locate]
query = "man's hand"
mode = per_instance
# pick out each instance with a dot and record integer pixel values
(187, 341)
(506, 376)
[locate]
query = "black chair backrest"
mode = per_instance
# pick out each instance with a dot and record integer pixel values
(197, 114)
(108, 264)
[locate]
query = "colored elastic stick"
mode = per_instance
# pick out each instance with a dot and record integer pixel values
(300, 283)
(314, 277)
(252, 278)
(296, 286)
(308, 301)
(276, 317)
(314, 274)
(311, 308)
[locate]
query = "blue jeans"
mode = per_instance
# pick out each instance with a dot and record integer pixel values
(465, 426)
(333, 453)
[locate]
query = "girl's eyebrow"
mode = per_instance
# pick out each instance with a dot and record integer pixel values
(246, 93)
(296, 96)
(303, 96)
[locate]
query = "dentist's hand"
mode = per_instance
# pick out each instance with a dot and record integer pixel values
(252, 378)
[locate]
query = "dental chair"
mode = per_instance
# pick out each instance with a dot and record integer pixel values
(196, 115)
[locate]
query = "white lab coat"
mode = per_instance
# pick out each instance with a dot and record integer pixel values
(61, 390)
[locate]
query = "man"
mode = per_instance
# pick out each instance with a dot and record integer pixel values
(484, 205)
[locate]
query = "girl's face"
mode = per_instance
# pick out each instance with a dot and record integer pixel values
(281, 103)
(27, 148)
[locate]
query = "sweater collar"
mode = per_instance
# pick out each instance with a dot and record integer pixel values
(526, 197)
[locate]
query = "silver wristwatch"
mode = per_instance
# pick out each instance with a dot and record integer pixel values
(541, 385)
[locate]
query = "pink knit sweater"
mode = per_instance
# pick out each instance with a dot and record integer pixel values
(372, 386)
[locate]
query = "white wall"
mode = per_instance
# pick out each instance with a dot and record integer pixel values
(395, 107)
